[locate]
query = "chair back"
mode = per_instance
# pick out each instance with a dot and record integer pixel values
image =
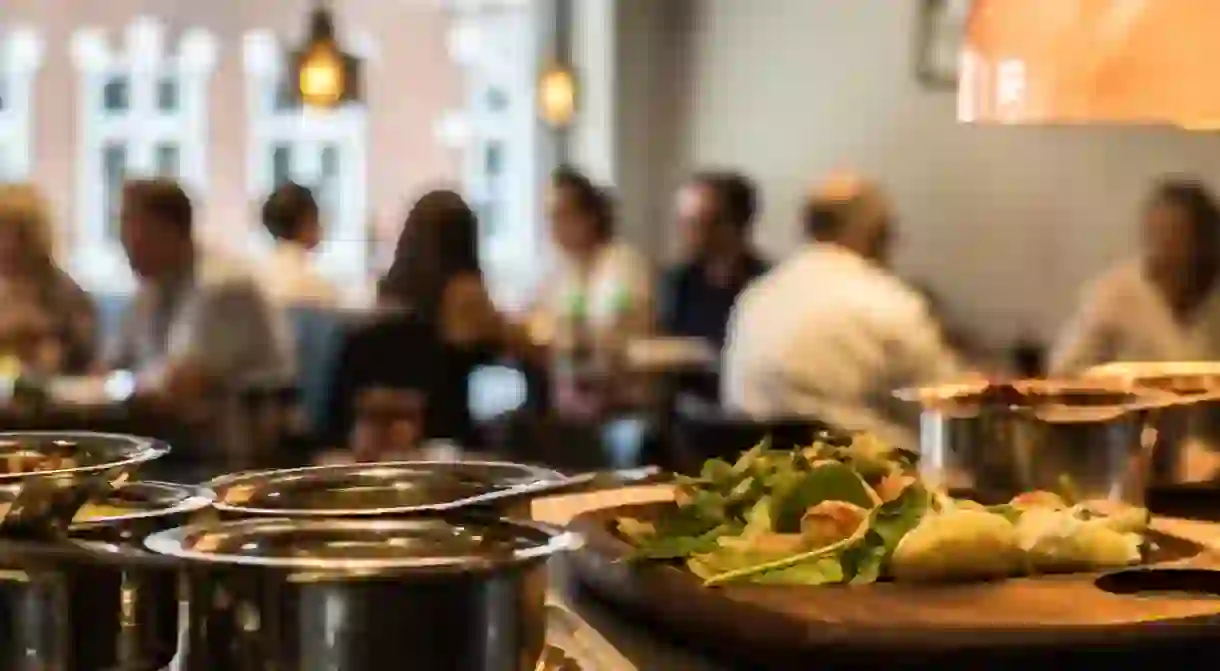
(318, 335)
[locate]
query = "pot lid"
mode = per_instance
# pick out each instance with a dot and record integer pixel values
(362, 547)
(367, 489)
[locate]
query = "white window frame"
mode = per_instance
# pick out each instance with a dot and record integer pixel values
(343, 254)
(144, 60)
(487, 39)
(20, 61)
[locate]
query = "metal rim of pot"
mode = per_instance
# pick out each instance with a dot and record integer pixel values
(222, 484)
(941, 397)
(142, 450)
(172, 543)
(1164, 376)
(195, 498)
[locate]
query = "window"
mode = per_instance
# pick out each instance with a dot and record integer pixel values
(496, 134)
(142, 113)
(114, 171)
(20, 58)
(115, 95)
(325, 150)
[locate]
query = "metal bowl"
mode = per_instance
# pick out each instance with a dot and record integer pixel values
(1004, 439)
(372, 490)
(436, 595)
(1188, 435)
(49, 475)
(63, 608)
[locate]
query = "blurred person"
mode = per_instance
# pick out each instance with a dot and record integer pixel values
(290, 278)
(1162, 306)
(716, 213)
(48, 323)
(436, 324)
(600, 297)
(830, 333)
(199, 327)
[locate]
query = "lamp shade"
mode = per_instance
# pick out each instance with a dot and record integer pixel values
(1092, 61)
(557, 96)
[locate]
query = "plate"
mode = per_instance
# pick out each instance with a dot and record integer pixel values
(851, 623)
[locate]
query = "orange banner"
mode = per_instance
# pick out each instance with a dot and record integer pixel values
(1088, 61)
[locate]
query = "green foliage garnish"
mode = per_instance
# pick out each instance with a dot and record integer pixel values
(836, 511)
(739, 521)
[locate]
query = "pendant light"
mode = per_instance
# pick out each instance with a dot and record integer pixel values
(557, 95)
(1092, 61)
(557, 88)
(324, 75)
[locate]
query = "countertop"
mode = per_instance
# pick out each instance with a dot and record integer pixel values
(632, 647)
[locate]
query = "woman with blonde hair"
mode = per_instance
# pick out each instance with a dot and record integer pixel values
(48, 321)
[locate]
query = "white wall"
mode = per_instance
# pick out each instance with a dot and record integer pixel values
(1004, 222)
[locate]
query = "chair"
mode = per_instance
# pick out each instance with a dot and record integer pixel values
(318, 334)
(703, 433)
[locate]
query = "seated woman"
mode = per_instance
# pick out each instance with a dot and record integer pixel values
(48, 324)
(1163, 306)
(435, 324)
(600, 298)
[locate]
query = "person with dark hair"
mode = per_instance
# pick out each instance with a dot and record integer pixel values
(290, 216)
(716, 213)
(831, 332)
(1163, 306)
(600, 298)
(437, 323)
(198, 325)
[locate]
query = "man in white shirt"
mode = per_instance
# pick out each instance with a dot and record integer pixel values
(830, 333)
(290, 279)
(198, 329)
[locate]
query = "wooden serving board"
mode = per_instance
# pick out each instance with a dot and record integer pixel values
(1063, 612)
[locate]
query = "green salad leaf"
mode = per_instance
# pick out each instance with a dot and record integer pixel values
(837, 511)
(828, 481)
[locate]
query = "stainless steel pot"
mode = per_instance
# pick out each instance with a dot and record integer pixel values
(51, 474)
(1001, 440)
(67, 609)
(1188, 434)
(404, 489)
(364, 595)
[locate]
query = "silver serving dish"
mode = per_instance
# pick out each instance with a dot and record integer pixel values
(1000, 440)
(48, 476)
(1188, 434)
(310, 595)
(374, 490)
(97, 600)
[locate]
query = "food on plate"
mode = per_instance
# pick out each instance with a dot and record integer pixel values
(1059, 541)
(959, 544)
(852, 510)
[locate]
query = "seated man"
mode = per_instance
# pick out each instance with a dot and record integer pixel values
(716, 213)
(198, 330)
(830, 333)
